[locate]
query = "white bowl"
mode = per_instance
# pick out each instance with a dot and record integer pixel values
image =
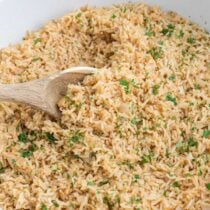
(18, 16)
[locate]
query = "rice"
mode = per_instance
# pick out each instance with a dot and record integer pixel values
(133, 136)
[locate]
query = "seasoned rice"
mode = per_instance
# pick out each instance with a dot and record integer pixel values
(136, 135)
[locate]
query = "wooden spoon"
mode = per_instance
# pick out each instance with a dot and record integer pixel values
(45, 93)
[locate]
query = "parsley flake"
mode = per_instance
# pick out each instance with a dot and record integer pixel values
(76, 137)
(113, 16)
(44, 207)
(176, 184)
(126, 85)
(168, 31)
(208, 186)
(155, 52)
(51, 138)
(191, 40)
(37, 40)
(22, 137)
(29, 152)
(172, 77)
(155, 89)
(206, 133)
(172, 99)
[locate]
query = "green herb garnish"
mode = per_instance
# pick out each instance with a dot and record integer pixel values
(185, 146)
(113, 16)
(78, 15)
(44, 207)
(109, 204)
(197, 86)
(181, 34)
(104, 182)
(168, 31)
(208, 186)
(206, 133)
(176, 184)
(136, 121)
(51, 138)
(172, 77)
(155, 89)
(156, 52)
(126, 85)
(133, 83)
(145, 159)
(149, 33)
(191, 40)
(136, 177)
(128, 163)
(171, 98)
(55, 203)
(2, 169)
(22, 137)
(90, 183)
(134, 200)
(76, 137)
(29, 152)
(192, 142)
(35, 59)
(37, 40)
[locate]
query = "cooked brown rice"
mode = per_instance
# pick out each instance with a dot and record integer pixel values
(133, 136)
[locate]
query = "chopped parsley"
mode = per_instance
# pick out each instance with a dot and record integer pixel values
(90, 183)
(197, 86)
(191, 40)
(29, 152)
(208, 186)
(2, 169)
(181, 34)
(78, 15)
(176, 184)
(145, 159)
(192, 142)
(155, 89)
(136, 121)
(134, 200)
(128, 163)
(126, 85)
(55, 203)
(185, 146)
(149, 33)
(168, 31)
(113, 16)
(104, 182)
(37, 40)
(44, 207)
(172, 77)
(171, 98)
(123, 10)
(51, 138)
(155, 52)
(76, 137)
(35, 59)
(133, 83)
(206, 133)
(109, 204)
(135, 179)
(22, 137)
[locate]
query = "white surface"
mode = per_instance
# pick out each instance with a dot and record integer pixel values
(18, 16)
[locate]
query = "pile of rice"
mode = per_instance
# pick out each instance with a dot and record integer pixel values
(134, 136)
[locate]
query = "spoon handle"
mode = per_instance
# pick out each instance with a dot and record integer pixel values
(28, 93)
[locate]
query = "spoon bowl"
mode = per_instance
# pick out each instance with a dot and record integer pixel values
(44, 93)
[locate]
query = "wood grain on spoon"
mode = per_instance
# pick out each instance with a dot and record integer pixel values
(44, 93)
